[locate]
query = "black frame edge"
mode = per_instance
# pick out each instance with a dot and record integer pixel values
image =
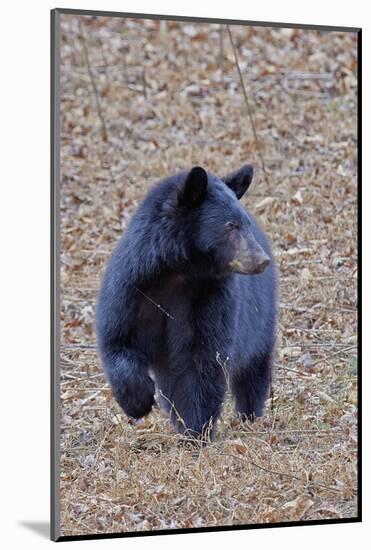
(54, 274)
(52, 311)
(68, 538)
(359, 275)
(102, 13)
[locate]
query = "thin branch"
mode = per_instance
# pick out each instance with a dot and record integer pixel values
(221, 52)
(90, 397)
(72, 388)
(82, 346)
(105, 62)
(295, 76)
(339, 352)
(94, 86)
(281, 367)
(249, 111)
(277, 473)
(144, 82)
(152, 301)
(309, 432)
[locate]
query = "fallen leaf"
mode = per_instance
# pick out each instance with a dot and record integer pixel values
(297, 199)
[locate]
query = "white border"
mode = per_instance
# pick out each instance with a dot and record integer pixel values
(24, 219)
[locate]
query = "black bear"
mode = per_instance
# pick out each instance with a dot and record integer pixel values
(188, 300)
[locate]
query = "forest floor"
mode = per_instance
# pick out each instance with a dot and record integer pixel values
(141, 100)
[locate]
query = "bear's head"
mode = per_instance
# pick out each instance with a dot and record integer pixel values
(220, 230)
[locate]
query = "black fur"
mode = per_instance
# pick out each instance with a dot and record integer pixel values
(171, 311)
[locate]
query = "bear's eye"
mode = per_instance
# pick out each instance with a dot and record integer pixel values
(230, 226)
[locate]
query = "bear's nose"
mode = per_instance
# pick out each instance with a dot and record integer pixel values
(261, 262)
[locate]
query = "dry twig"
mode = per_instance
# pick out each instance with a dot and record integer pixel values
(93, 84)
(249, 111)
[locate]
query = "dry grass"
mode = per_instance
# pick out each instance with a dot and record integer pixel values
(164, 104)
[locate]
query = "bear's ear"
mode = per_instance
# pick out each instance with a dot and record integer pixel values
(240, 180)
(194, 188)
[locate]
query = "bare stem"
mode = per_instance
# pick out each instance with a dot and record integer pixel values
(221, 52)
(249, 111)
(93, 84)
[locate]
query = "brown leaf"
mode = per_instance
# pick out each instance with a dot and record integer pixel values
(305, 276)
(264, 203)
(297, 508)
(241, 449)
(297, 199)
(306, 361)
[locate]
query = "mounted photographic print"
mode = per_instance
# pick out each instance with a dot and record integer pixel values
(205, 193)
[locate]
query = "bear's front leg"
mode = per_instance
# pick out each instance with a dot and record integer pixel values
(131, 384)
(196, 397)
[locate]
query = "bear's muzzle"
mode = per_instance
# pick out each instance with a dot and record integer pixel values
(250, 258)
